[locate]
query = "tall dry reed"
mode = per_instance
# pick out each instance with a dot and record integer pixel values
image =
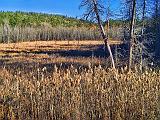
(91, 93)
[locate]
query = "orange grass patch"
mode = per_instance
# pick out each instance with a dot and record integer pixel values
(50, 45)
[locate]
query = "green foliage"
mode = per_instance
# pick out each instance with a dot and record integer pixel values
(36, 19)
(30, 26)
(116, 22)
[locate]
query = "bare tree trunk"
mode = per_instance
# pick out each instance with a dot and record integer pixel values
(157, 28)
(105, 38)
(143, 15)
(143, 25)
(130, 61)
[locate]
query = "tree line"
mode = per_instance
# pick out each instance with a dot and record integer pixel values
(23, 34)
(23, 26)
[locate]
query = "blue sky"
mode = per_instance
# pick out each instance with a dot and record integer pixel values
(64, 7)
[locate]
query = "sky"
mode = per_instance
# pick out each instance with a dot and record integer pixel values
(63, 7)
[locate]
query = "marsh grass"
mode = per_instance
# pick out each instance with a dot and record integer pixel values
(92, 93)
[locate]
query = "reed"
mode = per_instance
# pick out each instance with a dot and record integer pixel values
(79, 94)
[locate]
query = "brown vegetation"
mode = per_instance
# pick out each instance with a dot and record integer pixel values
(51, 87)
(78, 93)
(51, 46)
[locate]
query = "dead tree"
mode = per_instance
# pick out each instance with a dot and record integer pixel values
(131, 42)
(143, 26)
(157, 27)
(94, 9)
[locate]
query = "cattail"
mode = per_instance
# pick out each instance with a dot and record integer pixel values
(55, 68)
(89, 65)
(79, 93)
(44, 69)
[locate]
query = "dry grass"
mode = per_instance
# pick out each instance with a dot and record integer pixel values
(38, 52)
(48, 87)
(79, 94)
(50, 45)
(44, 59)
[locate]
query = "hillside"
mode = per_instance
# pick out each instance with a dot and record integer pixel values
(30, 26)
(38, 19)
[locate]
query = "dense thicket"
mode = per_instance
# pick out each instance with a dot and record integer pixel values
(21, 34)
(141, 30)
